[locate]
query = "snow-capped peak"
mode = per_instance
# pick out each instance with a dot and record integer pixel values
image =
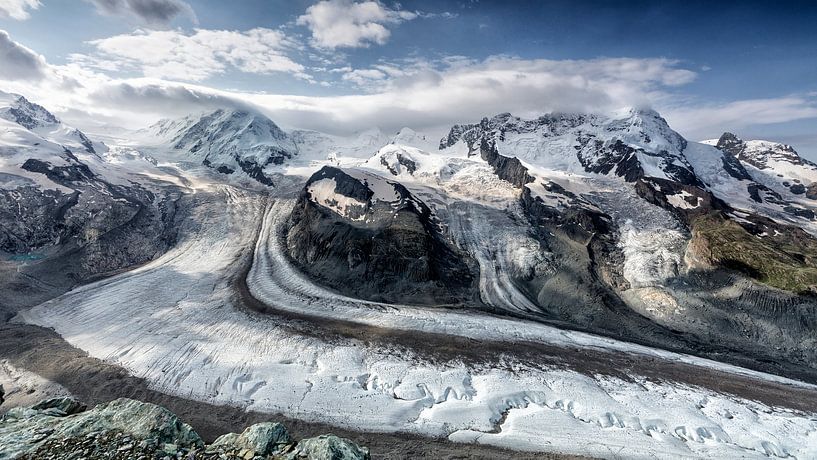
(35, 118)
(630, 144)
(758, 153)
(229, 140)
(18, 109)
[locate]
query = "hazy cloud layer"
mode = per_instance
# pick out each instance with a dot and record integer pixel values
(421, 94)
(711, 120)
(148, 12)
(343, 23)
(177, 55)
(17, 9)
(19, 62)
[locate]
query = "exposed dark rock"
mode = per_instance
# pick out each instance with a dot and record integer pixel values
(508, 169)
(798, 189)
(392, 252)
(811, 191)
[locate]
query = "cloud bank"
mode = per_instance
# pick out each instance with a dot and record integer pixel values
(196, 56)
(421, 94)
(343, 23)
(19, 62)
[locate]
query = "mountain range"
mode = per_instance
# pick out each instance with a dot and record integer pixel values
(613, 225)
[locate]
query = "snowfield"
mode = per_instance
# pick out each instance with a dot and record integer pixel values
(176, 322)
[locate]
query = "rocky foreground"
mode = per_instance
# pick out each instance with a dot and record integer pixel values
(62, 428)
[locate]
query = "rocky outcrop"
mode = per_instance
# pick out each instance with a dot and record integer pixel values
(328, 447)
(128, 429)
(371, 238)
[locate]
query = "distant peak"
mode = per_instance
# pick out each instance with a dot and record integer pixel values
(728, 137)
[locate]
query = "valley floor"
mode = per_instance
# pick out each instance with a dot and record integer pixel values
(225, 320)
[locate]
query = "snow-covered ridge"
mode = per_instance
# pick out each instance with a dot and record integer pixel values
(35, 118)
(354, 194)
(630, 144)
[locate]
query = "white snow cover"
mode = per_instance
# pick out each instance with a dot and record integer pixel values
(708, 164)
(679, 200)
(175, 323)
(323, 193)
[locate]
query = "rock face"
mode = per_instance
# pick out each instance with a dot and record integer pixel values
(371, 238)
(128, 429)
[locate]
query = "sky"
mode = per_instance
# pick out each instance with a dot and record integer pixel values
(343, 66)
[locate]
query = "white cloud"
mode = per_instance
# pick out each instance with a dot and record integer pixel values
(149, 12)
(711, 120)
(18, 9)
(177, 55)
(419, 93)
(363, 76)
(19, 62)
(343, 23)
(416, 93)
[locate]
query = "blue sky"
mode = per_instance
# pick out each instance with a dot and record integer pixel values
(749, 67)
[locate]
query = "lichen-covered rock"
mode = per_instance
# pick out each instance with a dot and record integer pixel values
(328, 447)
(141, 420)
(60, 421)
(125, 429)
(225, 441)
(261, 439)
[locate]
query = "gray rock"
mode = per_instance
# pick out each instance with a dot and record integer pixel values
(226, 440)
(261, 438)
(67, 406)
(328, 447)
(141, 420)
(24, 430)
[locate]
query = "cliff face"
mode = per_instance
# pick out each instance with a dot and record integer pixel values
(371, 238)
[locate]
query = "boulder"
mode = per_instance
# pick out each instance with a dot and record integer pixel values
(262, 438)
(328, 447)
(141, 420)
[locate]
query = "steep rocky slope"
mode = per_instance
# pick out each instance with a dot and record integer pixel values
(371, 238)
(66, 214)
